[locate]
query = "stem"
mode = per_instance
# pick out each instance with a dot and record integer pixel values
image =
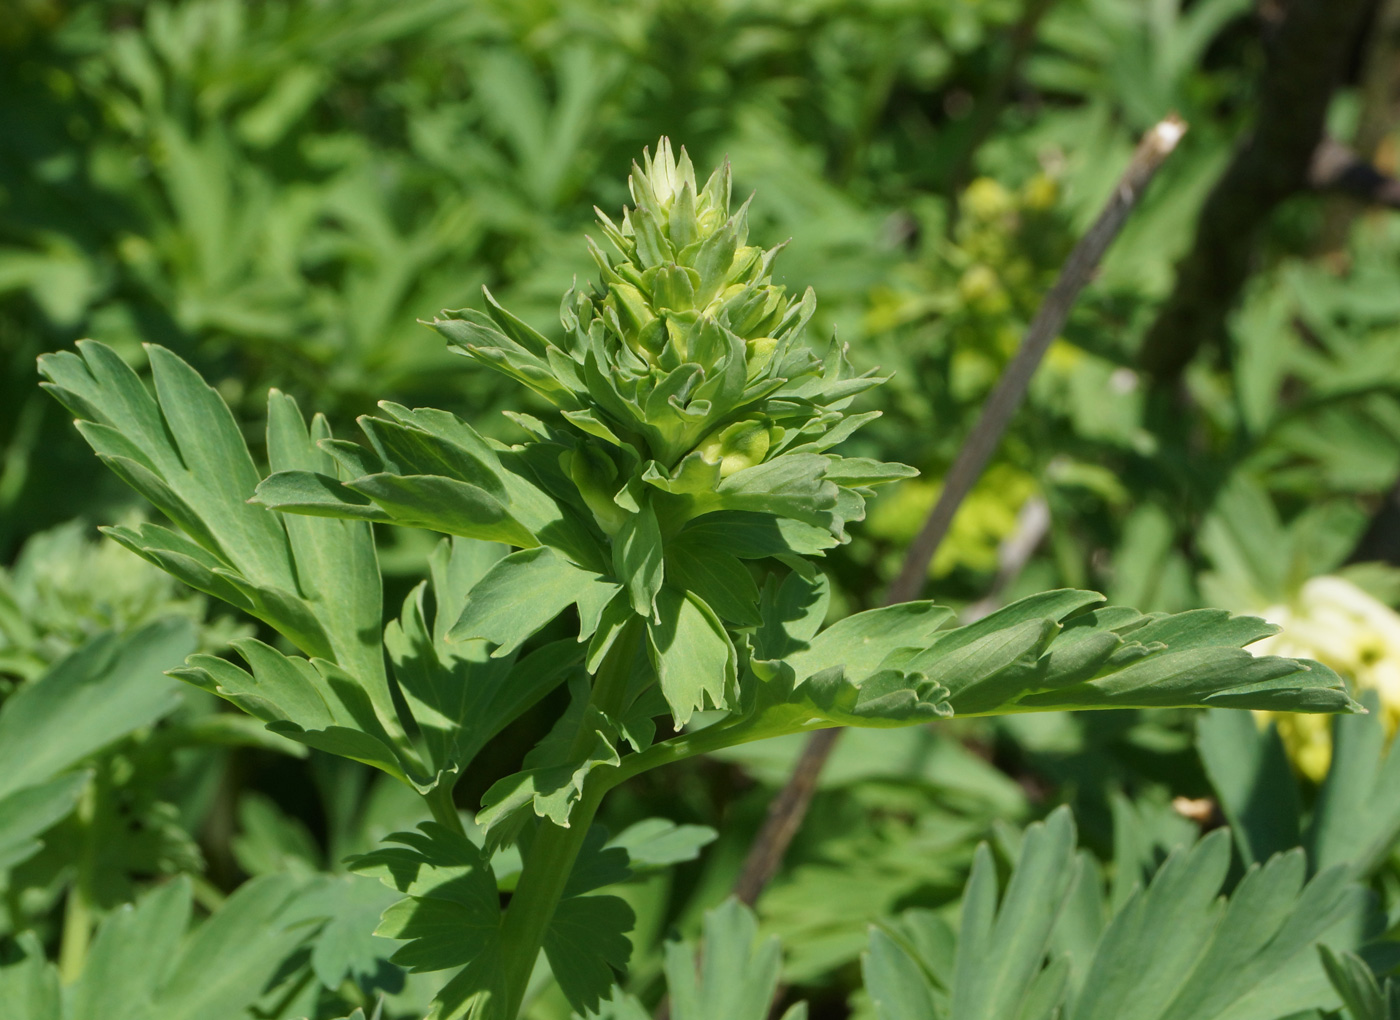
(78, 913)
(555, 848)
(444, 808)
(547, 868)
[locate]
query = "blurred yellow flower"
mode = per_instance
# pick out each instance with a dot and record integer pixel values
(1336, 623)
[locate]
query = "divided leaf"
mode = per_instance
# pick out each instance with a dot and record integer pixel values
(146, 960)
(458, 693)
(1174, 950)
(314, 581)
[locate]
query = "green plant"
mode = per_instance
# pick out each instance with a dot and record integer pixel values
(675, 507)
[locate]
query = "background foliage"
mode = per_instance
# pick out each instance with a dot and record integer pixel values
(276, 191)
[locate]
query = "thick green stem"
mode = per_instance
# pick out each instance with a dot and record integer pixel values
(550, 861)
(444, 809)
(78, 916)
(542, 879)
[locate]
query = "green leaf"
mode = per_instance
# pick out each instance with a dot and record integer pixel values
(313, 702)
(998, 969)
(1361, 993)
(87, 701)
(316, 495)
(337, 568)
(28, 812)
(692, 654)
(751, 536)
(735, 975)
(637, 558)
(717, 577)
(451, 913)
(1255, 958)
(551, 789)
(143, 963)
(660, 842)
(521, 593)
(444, 505)
(587, 946)
(860, 643)
(458, 694)
(1174, 950)
(1251, 774)
(28, 984)
(1052, 651)
(1357, 815)
(346, 910)
(314, 581)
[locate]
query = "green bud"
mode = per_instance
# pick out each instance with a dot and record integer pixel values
(595, 474)
(737, 446)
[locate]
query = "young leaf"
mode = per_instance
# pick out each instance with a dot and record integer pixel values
(691, 652)
(458, 694)
(523, 592)
(313, 702)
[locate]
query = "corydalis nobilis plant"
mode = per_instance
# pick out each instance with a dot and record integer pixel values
(674, 508)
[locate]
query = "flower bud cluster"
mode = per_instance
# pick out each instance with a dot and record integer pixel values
(684, 366)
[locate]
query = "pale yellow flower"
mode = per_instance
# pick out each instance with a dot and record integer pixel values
(1342, 626)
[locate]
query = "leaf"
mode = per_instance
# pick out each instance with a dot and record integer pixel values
(27, 813)
(520, 594)
(314, 581)
(88, 700)
(1361, 993)
(444, 505)
(450, 914)
(889, 698)
(692, 654)
(998, 969)
(735, 974)
(586, 943)
(1173, 951)
(717, 577)
(28, 984)
(458, 694)
(316, 495)
(660, 842)
(143, 963)
(313, 702)
(551, 790)
(1053, 651)
(346, 910)
(637, 558)
(751, 536)
(860, 643)
(1357, 815)
(1251, 774)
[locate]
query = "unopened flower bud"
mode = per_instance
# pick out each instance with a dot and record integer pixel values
(595, 474)
(737, 446)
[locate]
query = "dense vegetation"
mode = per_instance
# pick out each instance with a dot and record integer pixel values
(453, 645)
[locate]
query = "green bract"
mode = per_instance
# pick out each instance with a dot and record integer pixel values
(673, 509)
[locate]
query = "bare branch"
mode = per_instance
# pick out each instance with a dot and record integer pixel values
(789, 807)
(1078, 269)
(1304, 55)
(1337, 168)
